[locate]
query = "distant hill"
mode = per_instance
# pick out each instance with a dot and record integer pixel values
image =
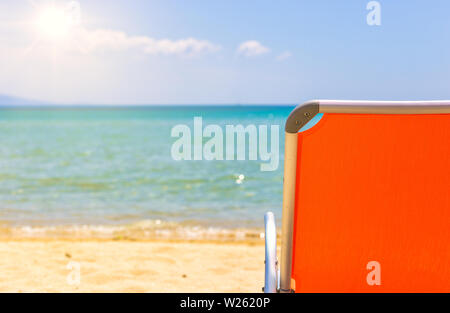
(11, 101)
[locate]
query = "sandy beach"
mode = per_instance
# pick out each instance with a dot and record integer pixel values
(43, 265)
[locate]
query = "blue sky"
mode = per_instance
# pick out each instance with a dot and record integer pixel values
(224, 52)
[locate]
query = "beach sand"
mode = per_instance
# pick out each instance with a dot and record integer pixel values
(41, 265)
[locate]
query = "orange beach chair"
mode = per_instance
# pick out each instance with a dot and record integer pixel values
(366, 199)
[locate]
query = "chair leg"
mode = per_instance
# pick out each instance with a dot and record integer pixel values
(271, 263)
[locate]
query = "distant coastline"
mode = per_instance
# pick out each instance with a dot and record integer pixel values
(11, 102)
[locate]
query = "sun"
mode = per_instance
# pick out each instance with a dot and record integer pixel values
(57, 25)
(53, 23)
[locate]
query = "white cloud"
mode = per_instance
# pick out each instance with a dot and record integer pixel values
(87, 41)
(283, 56)
(252, 48)
(98, 66)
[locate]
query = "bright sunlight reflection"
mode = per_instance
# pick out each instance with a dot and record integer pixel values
(54, 23)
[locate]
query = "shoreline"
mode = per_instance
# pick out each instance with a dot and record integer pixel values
(141, 231)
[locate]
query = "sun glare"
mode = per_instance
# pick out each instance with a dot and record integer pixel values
(53, 23)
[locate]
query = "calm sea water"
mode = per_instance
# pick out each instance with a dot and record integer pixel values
(114, 167)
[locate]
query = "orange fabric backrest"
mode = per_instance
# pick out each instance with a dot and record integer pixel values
(373, 188)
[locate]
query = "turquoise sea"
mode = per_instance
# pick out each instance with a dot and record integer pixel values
(109, 169)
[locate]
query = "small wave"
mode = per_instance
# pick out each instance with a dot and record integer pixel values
(142, 230)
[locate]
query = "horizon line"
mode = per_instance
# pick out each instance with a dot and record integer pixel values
(50, 105)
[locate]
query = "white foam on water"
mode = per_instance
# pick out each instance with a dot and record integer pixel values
(143, 230)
